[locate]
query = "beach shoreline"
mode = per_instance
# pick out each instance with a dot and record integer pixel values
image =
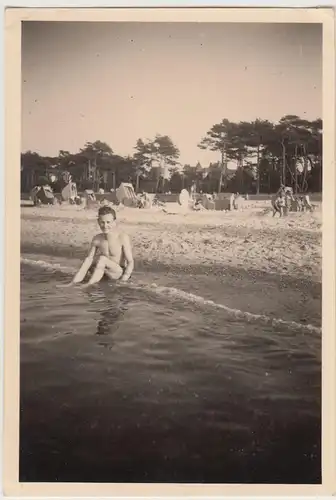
(250, 240)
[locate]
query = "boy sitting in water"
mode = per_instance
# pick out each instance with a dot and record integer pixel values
(110, 252)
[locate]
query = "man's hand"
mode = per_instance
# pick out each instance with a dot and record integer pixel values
(124, 278)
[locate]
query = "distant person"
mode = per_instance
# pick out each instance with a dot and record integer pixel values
(142, 199)
(306, 203)
(110, 252)
(104, 202)
(279, 203)
(286, 190)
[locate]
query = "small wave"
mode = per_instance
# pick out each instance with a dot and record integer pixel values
(176, 293)
(47, 265)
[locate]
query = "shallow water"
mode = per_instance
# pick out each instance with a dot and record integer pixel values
(120, 384)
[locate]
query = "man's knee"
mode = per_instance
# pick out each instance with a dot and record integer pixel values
(101, 262)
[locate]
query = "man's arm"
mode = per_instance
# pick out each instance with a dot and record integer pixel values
(81, 273)
(128, 254)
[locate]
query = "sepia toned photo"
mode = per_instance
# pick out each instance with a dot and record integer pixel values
(171, 189)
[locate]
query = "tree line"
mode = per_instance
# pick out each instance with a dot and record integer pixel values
(263, 153)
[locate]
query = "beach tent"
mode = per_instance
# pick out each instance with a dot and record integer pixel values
(43, 195)
(69, 192)
(222, 201)
(225, 201)
(229, 201)
(208, 202)
(89, 195)
(184, 198)
(238, 202)
(126, 195)
(90, 199)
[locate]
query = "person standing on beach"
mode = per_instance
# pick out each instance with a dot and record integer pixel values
(110, 252)
(279, 203)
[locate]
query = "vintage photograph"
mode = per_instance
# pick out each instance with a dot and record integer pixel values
(171, 255)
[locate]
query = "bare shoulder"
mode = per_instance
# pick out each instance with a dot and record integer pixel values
(124, 238)
(96, 240)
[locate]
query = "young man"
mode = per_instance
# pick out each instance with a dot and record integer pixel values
(110, 252)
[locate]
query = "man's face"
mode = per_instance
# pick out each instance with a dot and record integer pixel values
(106, 223)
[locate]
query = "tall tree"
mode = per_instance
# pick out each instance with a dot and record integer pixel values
(33, 169)
(296, 137)
(176, 181)
(225, 138)
(96, 154)
(155, 156)
(292, 149)
(256, 135)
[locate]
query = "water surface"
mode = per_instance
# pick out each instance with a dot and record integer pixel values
(122, 384)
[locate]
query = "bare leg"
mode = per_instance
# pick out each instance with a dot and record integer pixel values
(275, 209)
(105, 266)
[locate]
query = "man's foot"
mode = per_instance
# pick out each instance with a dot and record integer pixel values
(124, 279)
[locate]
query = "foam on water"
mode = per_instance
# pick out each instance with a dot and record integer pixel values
(176, 293)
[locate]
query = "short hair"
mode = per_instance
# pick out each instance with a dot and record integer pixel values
(107, 210)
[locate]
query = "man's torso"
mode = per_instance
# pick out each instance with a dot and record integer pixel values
(110, 245)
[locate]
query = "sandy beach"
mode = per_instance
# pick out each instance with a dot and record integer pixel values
(250, 239)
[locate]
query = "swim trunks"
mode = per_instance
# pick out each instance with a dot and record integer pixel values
(93, 266)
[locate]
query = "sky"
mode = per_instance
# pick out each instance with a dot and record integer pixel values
(117, 82)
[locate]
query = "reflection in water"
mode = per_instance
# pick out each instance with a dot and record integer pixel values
(114, 306)
(108, 322)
